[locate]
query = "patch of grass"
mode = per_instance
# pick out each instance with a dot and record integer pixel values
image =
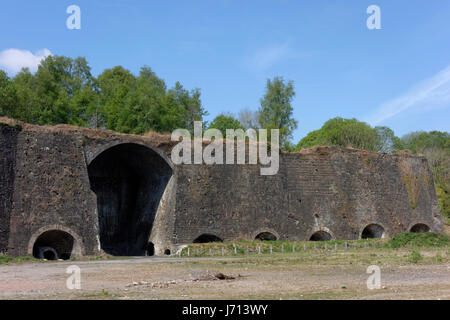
(415, 256)
(245, 247)
(5, 259)
(427, 239)
(102, 294)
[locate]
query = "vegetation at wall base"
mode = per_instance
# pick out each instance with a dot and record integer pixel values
(427, 239)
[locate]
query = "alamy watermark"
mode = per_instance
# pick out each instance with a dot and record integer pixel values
(374, 280)
(213, 153)
(374, 20)
(74, 280)
(74, 20)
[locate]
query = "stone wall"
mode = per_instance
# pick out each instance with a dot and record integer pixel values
(8, 143)
(46, 185)
(51, 188)
(340, 191)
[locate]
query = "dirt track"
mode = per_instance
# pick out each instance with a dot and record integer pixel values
(171, 278)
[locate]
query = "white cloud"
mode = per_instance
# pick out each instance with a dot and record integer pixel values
(430, 93)
(267, 57)
(13, 60)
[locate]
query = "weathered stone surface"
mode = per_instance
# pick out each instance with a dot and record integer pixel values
(8, 144)
(119, 192)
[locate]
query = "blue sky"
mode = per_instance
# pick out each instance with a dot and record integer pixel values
(398, 76)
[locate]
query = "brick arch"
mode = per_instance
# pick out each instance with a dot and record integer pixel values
(363, 227)
(265, 230)
(417, 224)
(321, 229)
(207, 237)
(78, 248)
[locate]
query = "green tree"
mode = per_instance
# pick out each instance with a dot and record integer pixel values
(63, 87)
(26, 107)
(276, 109)
(387, 141)
(419, 140)
(345, 133)
(223, 122)
(189, 106)
(63, 90)
(7, 95)
(114, 86)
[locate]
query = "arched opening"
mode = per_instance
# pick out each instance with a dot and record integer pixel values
(266, 236)
(320, 236)
(167, 252)
(129, 181)
(48, 253)
(53, 245)
(205, 238)
(150, 249)
(372, 231)
(419, 228)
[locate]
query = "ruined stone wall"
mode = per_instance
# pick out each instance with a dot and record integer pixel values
(45, 185)
(8, 139)
(340, 191)
(51, 191)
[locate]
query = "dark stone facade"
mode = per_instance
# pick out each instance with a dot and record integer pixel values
(121, 193)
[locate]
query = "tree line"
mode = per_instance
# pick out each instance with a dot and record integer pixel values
(63, 90)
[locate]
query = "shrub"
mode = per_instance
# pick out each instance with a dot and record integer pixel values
(415, 256)
(428, 239)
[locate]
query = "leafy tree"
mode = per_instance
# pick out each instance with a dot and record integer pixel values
(276, 109)
(114, 86)
(289, 147)
(189, 105)
(223, 122)
(387, 141)
(59, 84)
(345, 133)
(7, 95)
(419, 140)
(26, 99)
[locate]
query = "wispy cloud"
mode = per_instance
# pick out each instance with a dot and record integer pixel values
(13, 60)
(430, 93)
(266, 57)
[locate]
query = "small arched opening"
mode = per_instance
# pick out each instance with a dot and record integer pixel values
(372, 231)
(205, 238)
(320, 236)
(266, 236)
(53, 245)
(419, 228)
(150, 251)
(167, 252)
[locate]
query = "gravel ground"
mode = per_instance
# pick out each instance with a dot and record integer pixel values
(174, 278)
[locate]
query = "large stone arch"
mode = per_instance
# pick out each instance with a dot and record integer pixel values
(77, 247)
(129, 180)
(264, 234)
(90, 155)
